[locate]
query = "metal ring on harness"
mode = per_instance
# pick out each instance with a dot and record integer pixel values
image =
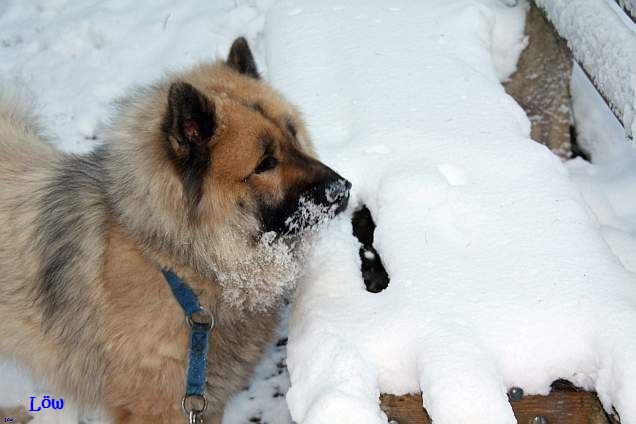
(194, 406)
(201, 317)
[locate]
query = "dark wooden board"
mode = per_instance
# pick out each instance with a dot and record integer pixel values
(570, 407)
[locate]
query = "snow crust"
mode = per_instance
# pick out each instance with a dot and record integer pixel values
(603, 39)
(500, 275)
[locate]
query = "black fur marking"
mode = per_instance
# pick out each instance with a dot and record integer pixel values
(287, 127)
(241, 59)
(188, 126)
(274, 217)
(291, 128)
(259, 108)
(69, 203)
(267, 144)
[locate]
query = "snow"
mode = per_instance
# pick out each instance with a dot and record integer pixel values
(501, 269)
(264, 400)
(17, 386)
(608, 185)
(77, 56)
(500, 275)
(603, 39)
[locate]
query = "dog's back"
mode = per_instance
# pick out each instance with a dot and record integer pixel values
(26, 163)
(20, 140)
(33, 243)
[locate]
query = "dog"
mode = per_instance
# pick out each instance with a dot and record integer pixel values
(208, 173)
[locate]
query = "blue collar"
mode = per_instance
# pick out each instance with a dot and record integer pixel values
(201, 323)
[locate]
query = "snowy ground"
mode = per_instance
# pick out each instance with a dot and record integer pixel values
(75, 57)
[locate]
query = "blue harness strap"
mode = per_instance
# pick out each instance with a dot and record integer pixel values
(201, 323)
(184, 294)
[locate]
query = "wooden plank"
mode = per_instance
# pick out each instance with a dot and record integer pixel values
(541, 84)
(558, 408)
(404, 409)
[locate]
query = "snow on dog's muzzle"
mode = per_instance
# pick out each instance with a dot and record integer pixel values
(319, 204)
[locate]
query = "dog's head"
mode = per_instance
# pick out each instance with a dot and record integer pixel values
(216, 168)
(231, 137)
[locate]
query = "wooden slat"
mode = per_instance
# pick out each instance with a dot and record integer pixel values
(404, 409)
(557, 408)
(541, 84)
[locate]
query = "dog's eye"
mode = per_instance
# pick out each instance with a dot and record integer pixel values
(269, 162)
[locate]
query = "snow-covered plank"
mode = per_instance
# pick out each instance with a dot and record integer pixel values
(629, 6)
(557, 408)
(603, 41)
(499, 274)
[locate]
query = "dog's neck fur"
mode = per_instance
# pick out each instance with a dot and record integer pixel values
(126, 263)
(80, 236)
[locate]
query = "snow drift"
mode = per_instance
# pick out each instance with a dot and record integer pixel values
(499, 273)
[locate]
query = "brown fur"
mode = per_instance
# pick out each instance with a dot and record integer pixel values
(83, 239)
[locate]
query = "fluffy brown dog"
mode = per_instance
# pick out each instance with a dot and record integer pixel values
(207, 173)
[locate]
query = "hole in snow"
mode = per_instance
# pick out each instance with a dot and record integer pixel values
(562, 385)
(577, 150)
(375, 277)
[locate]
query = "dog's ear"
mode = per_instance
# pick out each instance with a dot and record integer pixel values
(188, 125)
(241, 59)
(189, 122)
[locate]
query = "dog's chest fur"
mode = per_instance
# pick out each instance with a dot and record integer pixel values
(146, 338)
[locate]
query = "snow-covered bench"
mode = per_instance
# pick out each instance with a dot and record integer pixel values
(499, 274)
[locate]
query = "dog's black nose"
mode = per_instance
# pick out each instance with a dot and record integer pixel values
(338, 193)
